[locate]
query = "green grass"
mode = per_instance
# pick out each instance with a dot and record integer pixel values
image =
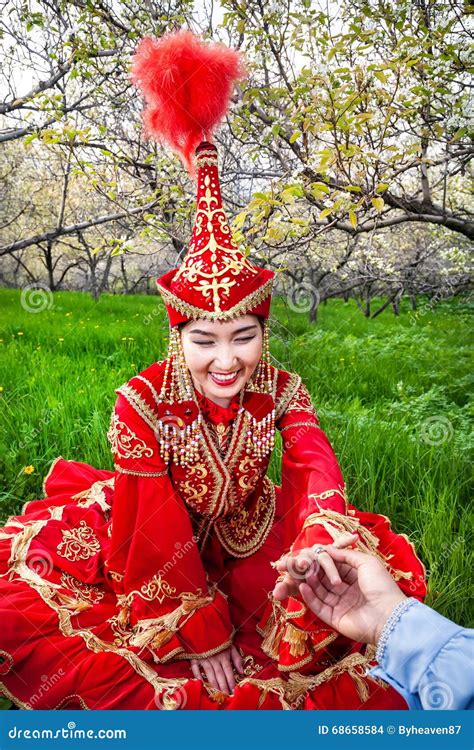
(391, 393)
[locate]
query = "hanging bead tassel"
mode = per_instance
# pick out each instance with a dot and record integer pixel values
(178, 441)
(261, 433)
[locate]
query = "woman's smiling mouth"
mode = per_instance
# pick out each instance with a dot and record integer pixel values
(224, 379)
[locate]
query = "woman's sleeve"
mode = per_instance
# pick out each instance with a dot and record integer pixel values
(315, 512)
(312, 482)
(153, 563)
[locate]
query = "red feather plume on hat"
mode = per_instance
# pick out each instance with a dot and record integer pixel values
(187, 85)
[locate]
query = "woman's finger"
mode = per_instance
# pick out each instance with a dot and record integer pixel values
(210, 676)
(285, 588)
(237, 660)
(221, 678)
(281, 563)
(329, 568)
(226, 665)
(345, 540)
(195, 670)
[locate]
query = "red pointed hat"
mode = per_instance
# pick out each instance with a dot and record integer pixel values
(187, 87)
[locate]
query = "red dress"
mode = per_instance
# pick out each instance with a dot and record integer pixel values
(113, 581)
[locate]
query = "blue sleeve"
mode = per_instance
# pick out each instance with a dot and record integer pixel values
(428, 659)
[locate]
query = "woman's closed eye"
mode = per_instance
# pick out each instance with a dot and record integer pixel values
(237, 341)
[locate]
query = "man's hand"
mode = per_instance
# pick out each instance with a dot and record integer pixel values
(296, 568)
(359, 606)
(219, 669)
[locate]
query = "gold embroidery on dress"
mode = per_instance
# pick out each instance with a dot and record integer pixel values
(125, 443)
(78, 543)
(122, 633)
(84, 590)
(6, 662)
(70, 698)
(299, 424)
(138, 404)
(221, 433)
(242, 532)
(251, 472)
(294, 382)
(134, 473)
(341, 491)
(95, 494)
(156, 588)
(301, 401)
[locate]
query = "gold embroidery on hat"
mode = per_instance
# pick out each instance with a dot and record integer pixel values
(225, 260)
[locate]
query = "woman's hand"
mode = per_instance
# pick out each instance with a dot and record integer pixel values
(219, 669)
(309, 562)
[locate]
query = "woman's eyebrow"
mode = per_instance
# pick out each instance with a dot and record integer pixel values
(208, 333)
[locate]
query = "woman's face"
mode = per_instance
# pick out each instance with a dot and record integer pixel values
(222, 356)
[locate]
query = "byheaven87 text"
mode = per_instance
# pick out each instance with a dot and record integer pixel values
(402, 730)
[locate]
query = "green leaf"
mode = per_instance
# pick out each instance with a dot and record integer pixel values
(239, 220)
(380, 75)
(320, 187)
(381, 187)
(325, 212)
(300, 222)
(378, 203)
(352, 218)
(295, 136)
(292, 191)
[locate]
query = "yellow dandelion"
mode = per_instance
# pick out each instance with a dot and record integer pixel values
(92, 369)
(20, 333)
(28, 469)
(1, 388)
(60, 338)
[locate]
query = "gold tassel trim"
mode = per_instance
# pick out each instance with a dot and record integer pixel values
(296, 638)
(76, 605)
(354, 664)
(273, 635)
(159, 630)
(123, 618)
(335, 522)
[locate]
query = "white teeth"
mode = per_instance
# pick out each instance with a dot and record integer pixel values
(218, 376)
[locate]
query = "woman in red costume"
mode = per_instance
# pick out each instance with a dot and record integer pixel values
(152, 586)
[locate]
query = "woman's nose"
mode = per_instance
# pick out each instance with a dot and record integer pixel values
(225, 358)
